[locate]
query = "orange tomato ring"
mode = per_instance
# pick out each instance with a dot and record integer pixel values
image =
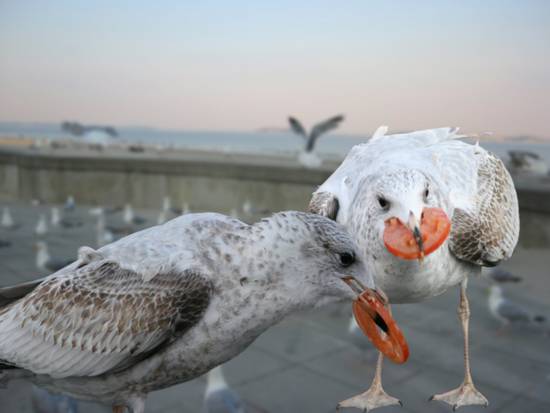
(392, 344)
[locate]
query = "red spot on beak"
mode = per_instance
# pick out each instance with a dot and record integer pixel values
(405, 243)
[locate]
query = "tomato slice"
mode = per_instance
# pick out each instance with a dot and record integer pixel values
(435, 227)
(384, 333)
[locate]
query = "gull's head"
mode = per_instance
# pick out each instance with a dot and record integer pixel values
(329, 260)
(324, 265)
(407, 211)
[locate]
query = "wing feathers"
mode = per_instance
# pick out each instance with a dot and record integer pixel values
(98, 317)
(489, 232)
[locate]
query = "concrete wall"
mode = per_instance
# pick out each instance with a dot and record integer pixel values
(206, 184)
(207, 181)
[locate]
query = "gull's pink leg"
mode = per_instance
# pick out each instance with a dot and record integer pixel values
(375, 396)
(466, 394)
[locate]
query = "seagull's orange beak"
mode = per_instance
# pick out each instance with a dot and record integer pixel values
(377, 323)
(412, 242)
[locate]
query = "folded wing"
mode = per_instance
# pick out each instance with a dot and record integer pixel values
(98, 318)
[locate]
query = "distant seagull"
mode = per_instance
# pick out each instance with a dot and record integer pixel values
(527, 163)
(97, 211)
(70, 203)
(103, 235)
(46, 263)
(41, 228)
(317, 130)
(247, 207)
(162, 218)
(128, 214)
(185, 209)
(500, 275)
(55, 218)
(46, 402)
(181, 211)
(130, 218)
(7, 220)
(508, 312)
(218, 397)
(166, 204)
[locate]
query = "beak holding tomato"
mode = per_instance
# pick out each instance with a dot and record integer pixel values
(412, 241)
(376, 322)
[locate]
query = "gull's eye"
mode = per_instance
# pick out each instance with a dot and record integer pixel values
(346, 259)
(426, 193)
(384, 203)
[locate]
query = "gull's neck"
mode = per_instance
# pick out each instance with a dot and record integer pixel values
(264, 281)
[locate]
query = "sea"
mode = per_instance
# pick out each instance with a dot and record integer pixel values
(332, 145)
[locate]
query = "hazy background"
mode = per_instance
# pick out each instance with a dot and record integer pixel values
(243, 65)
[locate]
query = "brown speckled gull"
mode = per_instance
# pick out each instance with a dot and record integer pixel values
(167, 304)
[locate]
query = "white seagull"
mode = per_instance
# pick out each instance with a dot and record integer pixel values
(218, 396)
(169, 303)
(500, 275)
(70, 203)
(130, 218)
(128, 214)
(166, 203)
(103, 235)
(7, 220)
(46, 402)
(426, 210)
(45, 262)
(55, 218)
(41, 228)
(508, 312)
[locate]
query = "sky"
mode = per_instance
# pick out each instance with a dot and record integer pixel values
(238, 65)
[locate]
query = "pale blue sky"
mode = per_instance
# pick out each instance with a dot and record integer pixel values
(242, 65)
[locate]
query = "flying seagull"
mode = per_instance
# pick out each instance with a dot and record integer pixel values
(427, 211)
(169, 303)
(317, 130)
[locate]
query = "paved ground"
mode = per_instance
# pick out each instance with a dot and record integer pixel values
(308, 362)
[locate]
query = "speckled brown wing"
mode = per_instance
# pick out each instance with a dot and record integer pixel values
(488, 233)
(99, 318)
(325, 204)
